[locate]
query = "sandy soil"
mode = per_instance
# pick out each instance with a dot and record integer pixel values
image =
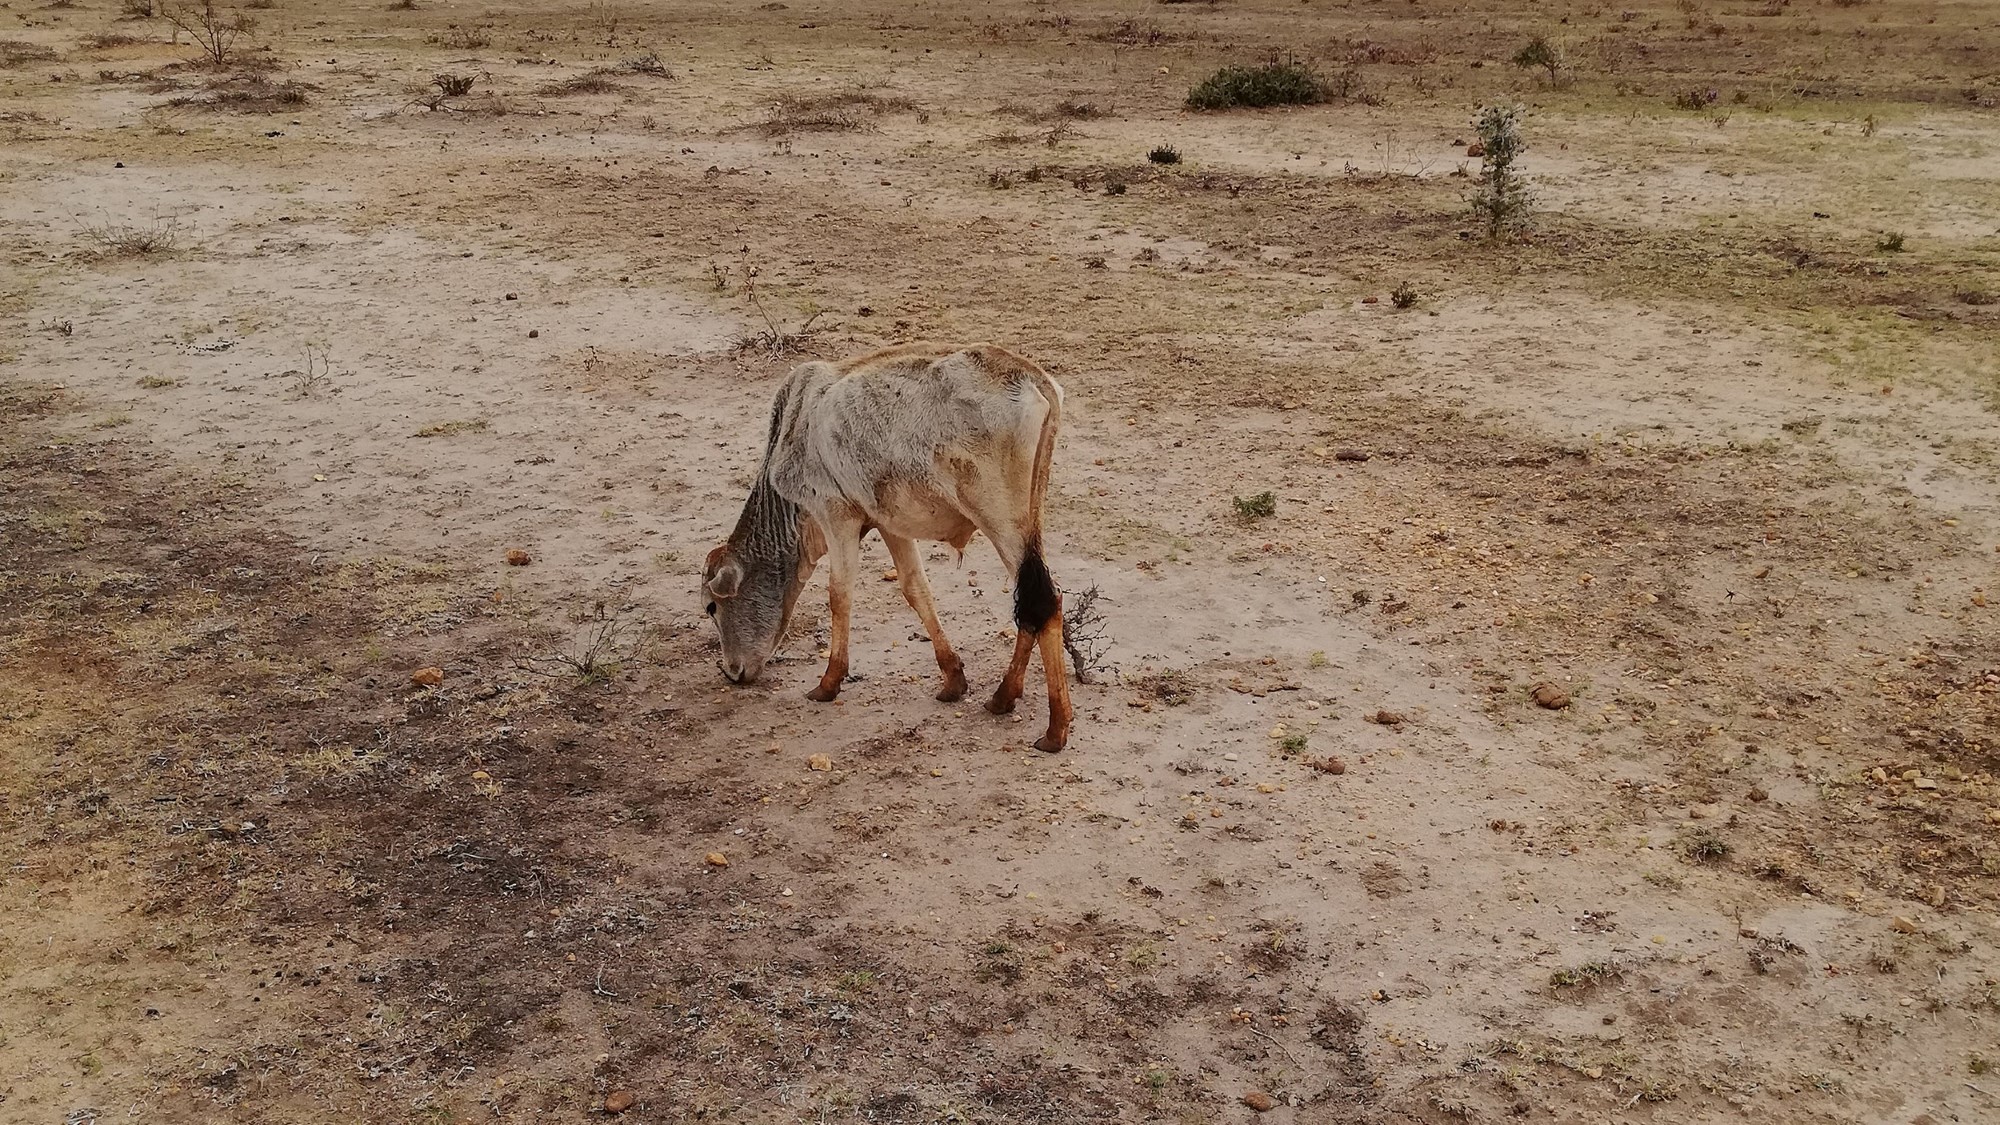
(287, 377)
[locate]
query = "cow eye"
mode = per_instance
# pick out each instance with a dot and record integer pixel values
(711, 609)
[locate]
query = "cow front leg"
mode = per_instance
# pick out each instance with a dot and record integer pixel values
(843, 558)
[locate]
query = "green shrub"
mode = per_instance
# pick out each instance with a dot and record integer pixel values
(1274, 83)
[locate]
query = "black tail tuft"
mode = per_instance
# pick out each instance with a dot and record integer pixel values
(1035, 599)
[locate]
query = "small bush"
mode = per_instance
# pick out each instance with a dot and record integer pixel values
(1164, 154)
(453, 85)
(214, 30)
(1502, 196)
(136, 9)
(1276, 83)
(1403, 296)
(1972, 295)
(106, 40)
(826, 113)
(1260, 506)
(1697, 99)
(246, 93)
(157, 237)
(1891, 243)
(1703, 846)
(1539, 52)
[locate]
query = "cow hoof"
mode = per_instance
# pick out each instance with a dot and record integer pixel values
(1050, 744)
(823, 694)
(1000, 706)
(952, 691)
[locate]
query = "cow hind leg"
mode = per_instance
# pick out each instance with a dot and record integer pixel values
(917, 591)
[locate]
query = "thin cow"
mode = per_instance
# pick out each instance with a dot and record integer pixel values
(917, 442)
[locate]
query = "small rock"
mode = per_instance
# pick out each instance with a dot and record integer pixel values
(1365, 301)
(1902, 925)
(819, 762)
(518, 557)
(1758, 795)
(1475, 149)
(1351, 455)
(1260, 1101)
(889, 575)
(716, 859)
(1331, 765)
(481, 775)
(1386, 718)
(513, 296)
(1762, 572)
(534, 333)
(1747, 931)
(427, 677)
(1550, 696)
(617, 1101)
(1880, 775)
(1926, 783)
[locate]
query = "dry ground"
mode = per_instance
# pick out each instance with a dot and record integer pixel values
(297, 350)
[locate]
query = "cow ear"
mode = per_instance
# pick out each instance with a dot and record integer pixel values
(727, 579)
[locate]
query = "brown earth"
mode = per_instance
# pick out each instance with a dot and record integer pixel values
(319, 806)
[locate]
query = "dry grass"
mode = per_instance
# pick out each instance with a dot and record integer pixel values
(245, 93)
(828, 113)
(14, 52)
(589, 82)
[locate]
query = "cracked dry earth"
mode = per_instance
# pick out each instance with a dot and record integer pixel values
(1718, 476)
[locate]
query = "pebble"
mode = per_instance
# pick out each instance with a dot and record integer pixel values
(1229, 757)
(618, 1101)
(427, 677)
(1260, 1101)
(717, 859)
(518, 557)
(819, 762)
(1902, 925)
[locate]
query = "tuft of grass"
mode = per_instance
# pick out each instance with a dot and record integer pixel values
(1260, 506)
(827, 113)
(1702, 845)
(1403, 296)
(246, 93)
(589, 82)
(1292, 744)
(1590, 974)
(1973, 295)
(1275, 83)
(460, 38)
(14, 52)
(1164, 154)
(106, 40)
(648, 63)
(1891, 243)
(456, 426)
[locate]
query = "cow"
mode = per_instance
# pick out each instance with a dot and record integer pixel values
(918, 442)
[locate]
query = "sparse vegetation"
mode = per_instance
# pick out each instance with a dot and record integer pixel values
(14, 52)
(1403, 296)
(246, 93)
(1540, 54)
(455, 426)
(1501, 197)
(1288, 82)
(1085, 633)
(462, 38)
(1702, 845)
(214, 30)
(827, 113)
(604, 642)
(1590, 974)
(1891, 243)
(1261, 506)
(1164, 154)
(1974, 295)
(159, 236)
(589, 82)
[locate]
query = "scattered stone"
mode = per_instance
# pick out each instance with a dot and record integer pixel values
(820, 762)
(617, 1101)
(1762, 572)
(889, 575)
(1386, 718)
(1351, 455)
(1758, 795)
(481, 775)
(1260, 1101)
(518, 557)
(427, 677)
(1550, 696)
(1331, 765)
(1475, 149)
(513, 296)
(1747, 931)
(1902, 925)
(1880, 775)
(716, 859)
(534, 333)
(1926, 783)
